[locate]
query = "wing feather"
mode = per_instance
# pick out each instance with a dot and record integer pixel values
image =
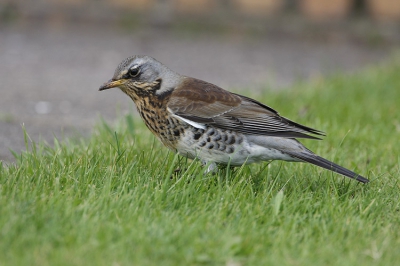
(204, 103)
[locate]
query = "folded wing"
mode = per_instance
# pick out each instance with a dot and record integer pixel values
(203, 103)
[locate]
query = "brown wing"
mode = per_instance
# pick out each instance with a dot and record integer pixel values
(204, 103)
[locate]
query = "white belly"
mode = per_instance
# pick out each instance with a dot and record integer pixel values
(235, 154)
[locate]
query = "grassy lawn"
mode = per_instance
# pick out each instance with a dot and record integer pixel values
(110, 200)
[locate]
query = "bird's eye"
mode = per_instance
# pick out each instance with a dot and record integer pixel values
(134, 71)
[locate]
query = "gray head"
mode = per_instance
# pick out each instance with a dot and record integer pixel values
(142, 75)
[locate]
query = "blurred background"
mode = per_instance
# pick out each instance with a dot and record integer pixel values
(55, 54)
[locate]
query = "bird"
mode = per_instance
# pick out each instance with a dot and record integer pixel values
(198, 119)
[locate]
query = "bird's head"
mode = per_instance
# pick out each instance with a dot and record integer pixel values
(138, 76)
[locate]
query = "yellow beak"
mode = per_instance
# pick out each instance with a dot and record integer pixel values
(112, 84)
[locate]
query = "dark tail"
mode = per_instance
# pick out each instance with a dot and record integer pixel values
(324, 163)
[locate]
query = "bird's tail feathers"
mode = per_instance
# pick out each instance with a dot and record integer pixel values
(324, 163)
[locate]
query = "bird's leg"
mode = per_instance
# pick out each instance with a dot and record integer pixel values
(176, 172)
(211, 168)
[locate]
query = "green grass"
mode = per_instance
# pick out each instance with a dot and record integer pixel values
(109, 200)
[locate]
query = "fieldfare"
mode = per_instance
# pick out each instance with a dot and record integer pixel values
(200, 120)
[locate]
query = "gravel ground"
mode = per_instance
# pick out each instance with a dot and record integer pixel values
(50, 75)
